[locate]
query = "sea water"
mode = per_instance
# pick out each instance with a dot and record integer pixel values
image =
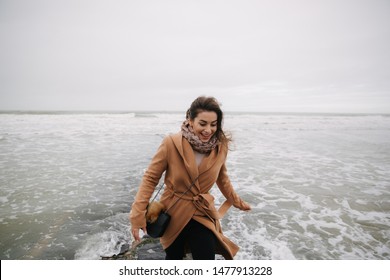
(319, 185)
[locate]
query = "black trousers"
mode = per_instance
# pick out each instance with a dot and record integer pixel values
(202, 243)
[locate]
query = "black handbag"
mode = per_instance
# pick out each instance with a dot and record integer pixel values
(157, 228)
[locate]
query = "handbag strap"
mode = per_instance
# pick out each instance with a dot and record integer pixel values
(161, 186)
(183, 194)
(222, 210)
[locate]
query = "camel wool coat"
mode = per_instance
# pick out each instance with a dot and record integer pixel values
(176, 158)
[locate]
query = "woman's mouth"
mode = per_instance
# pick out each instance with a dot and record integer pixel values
(205, 138)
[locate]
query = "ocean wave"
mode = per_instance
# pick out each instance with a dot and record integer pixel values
(318, 184)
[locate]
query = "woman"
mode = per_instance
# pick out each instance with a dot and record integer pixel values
(193, 160)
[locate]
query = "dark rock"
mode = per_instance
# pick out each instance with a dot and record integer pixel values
(147, 249)
(151, 251)
(124, 248)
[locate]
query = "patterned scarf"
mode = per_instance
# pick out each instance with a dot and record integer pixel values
(196, 143)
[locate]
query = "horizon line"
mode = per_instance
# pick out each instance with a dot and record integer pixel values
(91, 111)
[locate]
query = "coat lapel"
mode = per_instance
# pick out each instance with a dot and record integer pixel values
(208, 161)
(187, 154)
(185, 150)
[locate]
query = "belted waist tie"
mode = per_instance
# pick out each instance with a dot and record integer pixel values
(204, 202)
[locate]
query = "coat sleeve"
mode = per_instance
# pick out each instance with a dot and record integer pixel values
(224, 184)
(149, 182)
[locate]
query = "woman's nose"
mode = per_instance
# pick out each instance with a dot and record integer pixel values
(208, 129)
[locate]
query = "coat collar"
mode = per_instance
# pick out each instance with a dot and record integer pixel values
(186, 152)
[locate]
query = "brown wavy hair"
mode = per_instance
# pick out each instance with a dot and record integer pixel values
(209, 104)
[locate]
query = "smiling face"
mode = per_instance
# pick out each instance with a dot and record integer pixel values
(205, 125)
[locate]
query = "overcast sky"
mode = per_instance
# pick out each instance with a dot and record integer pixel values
(253, 55)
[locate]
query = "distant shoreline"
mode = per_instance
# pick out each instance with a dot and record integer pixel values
(124, 112)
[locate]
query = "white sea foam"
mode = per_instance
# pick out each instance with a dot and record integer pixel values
(318, 184)
(106, 242)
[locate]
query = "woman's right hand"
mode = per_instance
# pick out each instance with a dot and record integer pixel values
(135, 233)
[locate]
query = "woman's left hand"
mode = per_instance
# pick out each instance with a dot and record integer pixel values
(245, 206)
